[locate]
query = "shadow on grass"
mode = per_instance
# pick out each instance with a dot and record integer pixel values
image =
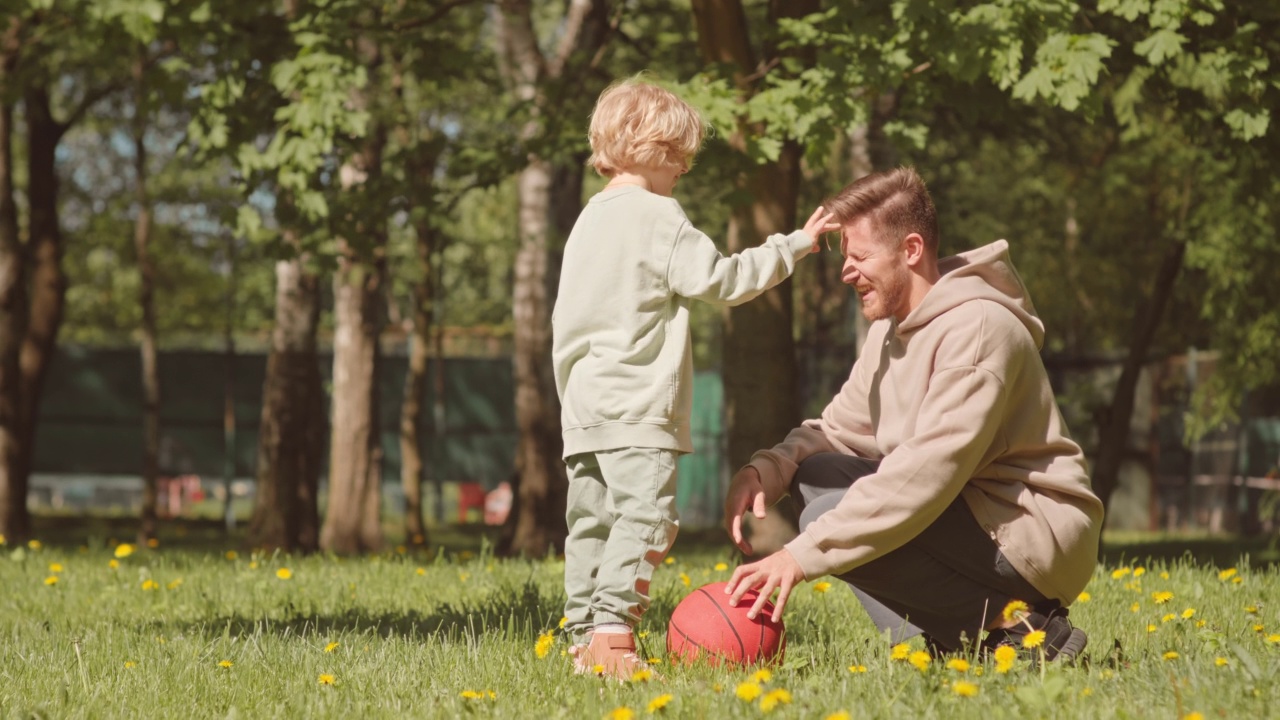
(514, 612)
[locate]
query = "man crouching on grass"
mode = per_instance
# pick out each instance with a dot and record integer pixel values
(941, 482)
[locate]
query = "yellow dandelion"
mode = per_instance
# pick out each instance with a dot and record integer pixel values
(401, 550)
(1251, 609)
(472, 695)
(1162, 597)
(721, 567)
(960, 665)
(900, 651)
(225, 664)
(1140, 571)
(1135, 607)
(1188, 613)
(130, 664)
(114, 564)
(1170, 655)
(855, 669)
(421, 571)
(1257, 628)
(773, 699)
(1227, 574)
(669, 561)
(543, 646)
(748, 691)
(841, 715)
(1006, 654)
(920, 659)
(326, 679)
(654, 661)
(821, 586)
(253, 564)
(1004, 666)
(124, 550)
(1201, 623)
(621, 713)
(763, 675)
(231, 555)
(150, 585)
(964, 689)
(642, 634)
(1221, 662)
(284, 573)
(1273, 639)
(660, 702)
(174, 584)
(684, 579)
(1033, 639)
(1237, 580)
(34, 544)
(640, 676)
(1119, 573)
(1151, 628)
(55, 567)
(1193, 716)
(1084, 597)
(1087, 692)
(331, 647)
(153, 543)
(563, 621)
(1167, 617)
(1015, 610)
(463, 577)
(51, 580)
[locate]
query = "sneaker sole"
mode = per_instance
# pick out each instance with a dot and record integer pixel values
(1072, 648)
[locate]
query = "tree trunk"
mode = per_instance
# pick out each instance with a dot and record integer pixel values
(47, 281)
(412, 436)
(292, 406)
(759, 366)
(146, 295)
(14, 523)
(1113, 435)
(536, 523)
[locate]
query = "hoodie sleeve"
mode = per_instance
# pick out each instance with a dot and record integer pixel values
(914, 483)
(845, 426)
(697, 270)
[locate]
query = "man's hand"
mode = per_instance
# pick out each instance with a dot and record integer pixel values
(780, 570)
(820, 222)
(745, 491)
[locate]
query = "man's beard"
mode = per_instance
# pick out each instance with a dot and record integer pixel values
(889, 296)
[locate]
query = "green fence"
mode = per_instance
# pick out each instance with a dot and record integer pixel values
(91, 420)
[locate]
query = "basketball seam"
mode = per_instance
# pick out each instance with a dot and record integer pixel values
(728, 621)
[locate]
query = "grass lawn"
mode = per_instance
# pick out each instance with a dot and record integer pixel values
(198, 627)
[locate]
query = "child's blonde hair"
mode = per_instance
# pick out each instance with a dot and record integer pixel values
(636, 123)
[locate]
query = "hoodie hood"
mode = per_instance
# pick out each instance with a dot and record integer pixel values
(984, 273)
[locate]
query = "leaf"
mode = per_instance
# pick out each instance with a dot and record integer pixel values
(1161, 46)
(1246, 125)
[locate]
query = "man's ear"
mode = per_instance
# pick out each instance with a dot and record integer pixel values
(913, 246)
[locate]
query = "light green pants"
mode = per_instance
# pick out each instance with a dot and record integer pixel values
(622, 520)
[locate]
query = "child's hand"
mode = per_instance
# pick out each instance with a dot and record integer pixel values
(820, 222)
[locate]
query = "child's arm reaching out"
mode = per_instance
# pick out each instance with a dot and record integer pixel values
(697, 270)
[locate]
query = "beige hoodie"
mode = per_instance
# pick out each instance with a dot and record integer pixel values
(954, 400)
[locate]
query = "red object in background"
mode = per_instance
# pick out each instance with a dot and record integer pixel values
(497, 504)
(470, 497)
(704, 627)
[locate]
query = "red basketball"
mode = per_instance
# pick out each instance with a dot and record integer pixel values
(704, 626)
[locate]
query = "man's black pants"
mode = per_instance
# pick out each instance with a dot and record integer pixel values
(948, 582)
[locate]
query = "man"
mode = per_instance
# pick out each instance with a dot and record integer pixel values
(941, 482)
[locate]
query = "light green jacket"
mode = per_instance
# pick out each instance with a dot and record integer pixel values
(621, 349)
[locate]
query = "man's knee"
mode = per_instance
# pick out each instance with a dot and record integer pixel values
(819, 506)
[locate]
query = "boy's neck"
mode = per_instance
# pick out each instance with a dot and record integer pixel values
(625, 179)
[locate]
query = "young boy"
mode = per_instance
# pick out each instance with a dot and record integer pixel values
(622, 359)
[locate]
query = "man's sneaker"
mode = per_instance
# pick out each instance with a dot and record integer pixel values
(1062, 642)
(610, 655)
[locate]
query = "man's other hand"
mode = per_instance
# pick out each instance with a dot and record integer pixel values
(779, 571)
(745, 491)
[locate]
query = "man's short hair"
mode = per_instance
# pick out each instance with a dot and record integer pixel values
(636, 123)
(897, 202)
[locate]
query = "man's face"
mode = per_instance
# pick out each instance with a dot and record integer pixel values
(876, 270)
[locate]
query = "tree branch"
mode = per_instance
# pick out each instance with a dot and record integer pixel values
(578, 11)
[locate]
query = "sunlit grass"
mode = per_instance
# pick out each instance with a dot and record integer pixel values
(164, 632)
